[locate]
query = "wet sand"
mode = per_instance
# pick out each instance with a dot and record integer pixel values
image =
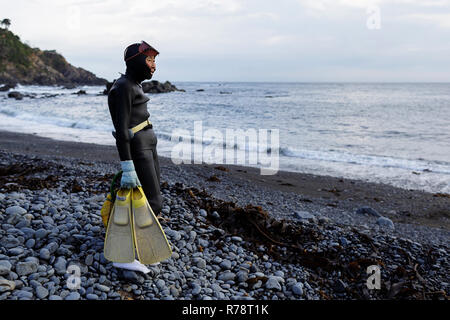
(239, 183)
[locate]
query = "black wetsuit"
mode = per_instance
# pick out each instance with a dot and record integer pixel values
(128, 107)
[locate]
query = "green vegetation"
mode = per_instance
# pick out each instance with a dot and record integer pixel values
(54, 59)
(6, 23)
(13, 50)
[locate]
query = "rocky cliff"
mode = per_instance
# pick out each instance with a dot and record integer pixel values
(19, 63)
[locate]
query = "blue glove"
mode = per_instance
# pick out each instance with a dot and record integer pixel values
(129, 177)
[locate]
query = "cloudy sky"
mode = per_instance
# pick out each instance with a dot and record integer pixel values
(247, 40)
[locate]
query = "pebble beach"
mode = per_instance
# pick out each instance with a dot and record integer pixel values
(235, 235)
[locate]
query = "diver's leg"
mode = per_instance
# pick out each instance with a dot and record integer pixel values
(148, 174)
(156, 161)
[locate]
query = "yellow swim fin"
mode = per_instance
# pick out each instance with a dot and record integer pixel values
(151, 242)
(106, 209)
(119, 242)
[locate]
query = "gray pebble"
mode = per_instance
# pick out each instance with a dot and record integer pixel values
(161, 284)
(5, 265)
(52, 247)
(44, 254)
(41, 233)
(48, 220)
(236, 239)
(225, 276)
(26, 267)
(15, 210)
(53, 210)
(196, 290)
(89, 260)
(15, 251)
(225, 264)
(91, 296)
(6, 285)
(41, 292)
(215, 215)
(303, 215)
(298, 289)
(173, 234)
(30, 243)
(369, 211)
(242, 276)
(273, 284)
(73, 296)
(103, 288)
(201, 263)
(130, 275)
(60, 266)
(385, 223)
(279, 273)
(203, 242)
(23, 294)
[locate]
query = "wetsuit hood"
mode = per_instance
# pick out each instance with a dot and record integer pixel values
(136, 67)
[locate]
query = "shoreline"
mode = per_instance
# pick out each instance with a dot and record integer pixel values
(232, 237)
(238, 183)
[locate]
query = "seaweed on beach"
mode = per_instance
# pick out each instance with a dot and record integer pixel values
(19, 175)
(36, 174)
(293, 242)
(257, 227)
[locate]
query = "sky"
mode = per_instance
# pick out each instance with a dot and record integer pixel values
(247, 40)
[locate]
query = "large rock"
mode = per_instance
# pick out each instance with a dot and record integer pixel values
(158, 87)
(153, 86)
(16, 95)
(7, 86)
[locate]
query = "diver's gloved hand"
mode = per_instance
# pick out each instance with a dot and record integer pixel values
(129, 177)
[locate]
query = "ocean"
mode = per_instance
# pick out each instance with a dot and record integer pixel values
(394, 133)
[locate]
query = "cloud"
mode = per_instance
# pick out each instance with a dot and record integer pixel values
(237, 40)
(439, 19)
(327, 4)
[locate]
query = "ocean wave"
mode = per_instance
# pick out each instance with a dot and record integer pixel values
(56, 121)
(362, 159)
(249, 146)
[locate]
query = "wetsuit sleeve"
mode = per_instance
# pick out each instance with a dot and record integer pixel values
(121, 98)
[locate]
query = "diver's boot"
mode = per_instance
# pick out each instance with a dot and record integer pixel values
(133, 266)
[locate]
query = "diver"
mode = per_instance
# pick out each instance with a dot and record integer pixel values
(135, 139)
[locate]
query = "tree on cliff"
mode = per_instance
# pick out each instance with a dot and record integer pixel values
(6, 23)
